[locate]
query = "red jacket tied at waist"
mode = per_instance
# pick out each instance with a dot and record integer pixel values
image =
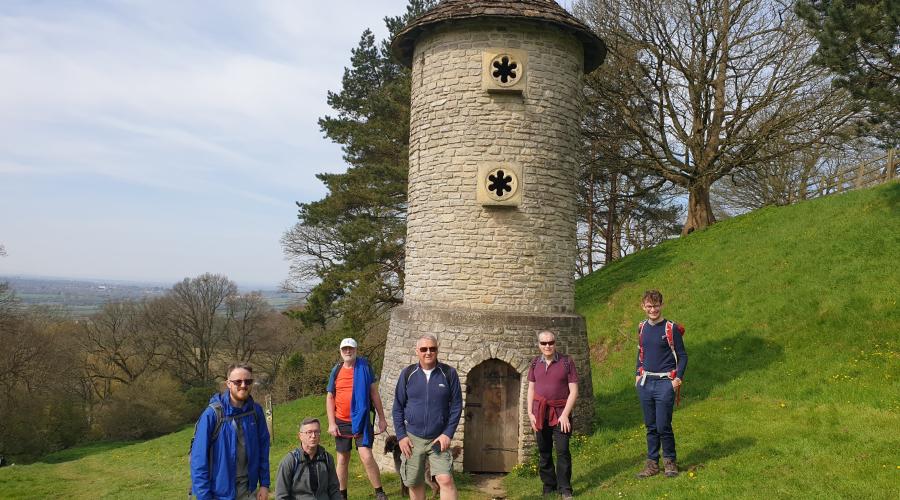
(549, 409)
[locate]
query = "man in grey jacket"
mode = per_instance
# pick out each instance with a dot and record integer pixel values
(308, 472)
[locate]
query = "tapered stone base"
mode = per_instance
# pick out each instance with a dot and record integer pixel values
(468, 338)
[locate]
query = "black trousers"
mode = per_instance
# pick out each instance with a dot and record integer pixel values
(548, 438)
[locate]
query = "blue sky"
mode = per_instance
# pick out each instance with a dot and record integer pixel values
(156, 140)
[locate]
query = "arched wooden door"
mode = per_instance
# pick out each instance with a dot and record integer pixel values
(492, 417)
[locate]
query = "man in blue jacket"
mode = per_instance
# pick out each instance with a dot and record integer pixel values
(230, 451)
(427, 407)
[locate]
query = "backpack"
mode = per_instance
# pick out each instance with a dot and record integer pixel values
(298, 459)
(670, 329)
(217, 429)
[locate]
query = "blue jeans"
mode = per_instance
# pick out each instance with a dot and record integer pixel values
(657, 401)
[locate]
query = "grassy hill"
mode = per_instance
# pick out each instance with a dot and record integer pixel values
(792, 388)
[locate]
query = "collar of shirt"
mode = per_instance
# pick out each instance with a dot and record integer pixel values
(555, 358)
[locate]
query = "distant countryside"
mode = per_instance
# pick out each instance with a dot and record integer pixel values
(82, 298)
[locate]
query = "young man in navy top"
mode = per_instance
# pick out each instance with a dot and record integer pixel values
(660, 366)
(552, 391)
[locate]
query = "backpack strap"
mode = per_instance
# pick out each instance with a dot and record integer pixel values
(641, 347)
(220, 418)
(407, 373)
(671, 342)
(299, 465)
(298, 460)
(671, 328)
(534, 362)
(444, 373)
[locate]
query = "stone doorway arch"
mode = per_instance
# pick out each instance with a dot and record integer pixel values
(491, 441)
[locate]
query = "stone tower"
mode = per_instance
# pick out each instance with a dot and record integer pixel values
(490, 249)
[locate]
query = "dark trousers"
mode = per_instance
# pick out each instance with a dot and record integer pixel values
(559, 479)
(657, 401)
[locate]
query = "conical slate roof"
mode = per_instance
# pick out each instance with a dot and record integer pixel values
(547, 11)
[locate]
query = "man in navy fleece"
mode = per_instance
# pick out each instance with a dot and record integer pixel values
(660, 366)
(427, 407)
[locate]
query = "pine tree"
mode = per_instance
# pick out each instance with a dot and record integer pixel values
(860, 41)
(352, 241)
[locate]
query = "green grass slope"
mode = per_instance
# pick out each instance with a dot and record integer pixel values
(792, 388)
(793, 336)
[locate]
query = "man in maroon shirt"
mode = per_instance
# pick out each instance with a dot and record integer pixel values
(552, 391)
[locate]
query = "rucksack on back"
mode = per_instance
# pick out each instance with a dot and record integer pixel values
(300, 464)
(671, 328)
(217, 429)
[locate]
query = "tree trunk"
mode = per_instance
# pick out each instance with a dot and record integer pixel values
(589, 206)
(612, 236)
(700, 215)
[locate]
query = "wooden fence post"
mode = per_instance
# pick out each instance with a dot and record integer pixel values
(269, 418)
(889, 171)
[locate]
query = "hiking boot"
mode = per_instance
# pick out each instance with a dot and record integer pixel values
(671, 467)
(651, 468)
(380, 495)
(549, 492)
(566, 495)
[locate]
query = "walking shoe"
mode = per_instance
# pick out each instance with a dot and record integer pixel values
(671, 467)
(651, 468)
(549, 492)
(566, 495)
(380, 495)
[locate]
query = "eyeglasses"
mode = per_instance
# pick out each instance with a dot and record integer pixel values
(247, 382)
(311, 433)
(547, 342)
(428, 349)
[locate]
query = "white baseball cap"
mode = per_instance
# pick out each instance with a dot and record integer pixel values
(348, 342)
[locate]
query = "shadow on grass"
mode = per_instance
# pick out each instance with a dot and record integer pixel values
(694, 460)
(86, 450)
(892, 194)
(710, 364)
(602, 284)
(714, 451)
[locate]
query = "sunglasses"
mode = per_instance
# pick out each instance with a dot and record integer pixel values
(547, 342)
(428, 349)
(247, 382)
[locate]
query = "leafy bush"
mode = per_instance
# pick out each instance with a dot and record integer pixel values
(150, 407)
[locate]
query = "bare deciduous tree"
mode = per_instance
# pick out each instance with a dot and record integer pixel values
(117, 344)
(192, 324)
(791, 178)
(247, 325)
(712, 86)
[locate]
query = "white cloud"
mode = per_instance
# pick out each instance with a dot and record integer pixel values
(215, 98)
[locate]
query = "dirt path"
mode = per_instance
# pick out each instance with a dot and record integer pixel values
(491, 485)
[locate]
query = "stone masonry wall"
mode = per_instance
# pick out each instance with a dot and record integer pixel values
(468, 338)
(460, 254)
(486, 280)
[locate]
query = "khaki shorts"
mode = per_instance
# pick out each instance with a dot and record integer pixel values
(412, 469)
